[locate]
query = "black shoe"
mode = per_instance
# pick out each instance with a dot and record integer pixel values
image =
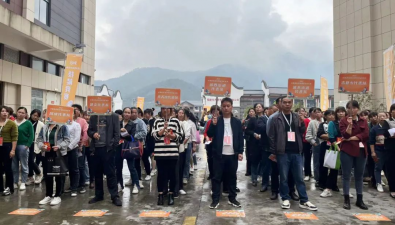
(160, 199)
(254, 183)
(170, 199)
(214, 205)
(237, 189)
(234, 202)
(95, 199)
(294, 196)
(117, 201)
(176, 194)
(263, 189)
(360, 203)
(336, 189)
(346, 204)
(247, 174)
(92, 185)
(274, 196)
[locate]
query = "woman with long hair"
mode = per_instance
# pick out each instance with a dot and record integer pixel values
(183, 145)
(167, 133)
(34, 151)
(190, 137)
(355, 132)
(249, 139)
(9, 139)
(25, 140)
(389, 145)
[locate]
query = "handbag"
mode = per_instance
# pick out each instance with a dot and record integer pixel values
(56, 166)
(332, 157)
(198, 141)
(131, 149)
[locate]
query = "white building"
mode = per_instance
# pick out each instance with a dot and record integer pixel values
(117, 101)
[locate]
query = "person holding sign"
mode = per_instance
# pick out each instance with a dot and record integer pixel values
(355, 132)
(167, 133)
(227, 145)
(285, 136)
(8, 142)
(53, 139)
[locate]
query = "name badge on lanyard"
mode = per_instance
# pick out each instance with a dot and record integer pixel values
(290, 133)
(227, 137)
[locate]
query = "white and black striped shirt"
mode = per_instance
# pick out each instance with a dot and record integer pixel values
(163, 151)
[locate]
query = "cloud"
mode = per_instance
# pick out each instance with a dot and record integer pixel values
(284, 37)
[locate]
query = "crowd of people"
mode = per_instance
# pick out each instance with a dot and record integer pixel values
(280, 144)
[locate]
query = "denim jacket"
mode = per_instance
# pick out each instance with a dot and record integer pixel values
(62, 138)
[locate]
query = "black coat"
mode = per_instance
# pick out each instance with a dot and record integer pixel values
(130, 128)
(112, 131)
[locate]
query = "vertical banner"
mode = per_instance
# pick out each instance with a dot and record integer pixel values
(324, 95)
(140, 103)
(70, 78)
(388, 73)
(301, 88)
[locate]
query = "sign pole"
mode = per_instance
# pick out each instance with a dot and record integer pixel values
(216, 101)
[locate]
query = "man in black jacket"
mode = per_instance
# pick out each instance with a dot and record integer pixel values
(105, 134)
(227, 148)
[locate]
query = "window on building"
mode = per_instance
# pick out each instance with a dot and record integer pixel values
(37, 99)
(37, 64)
(84, 79)
(11, 55)
(52, 69)
(41, 11)
(310, 103)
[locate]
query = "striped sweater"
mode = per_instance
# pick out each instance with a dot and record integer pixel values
(163, 151)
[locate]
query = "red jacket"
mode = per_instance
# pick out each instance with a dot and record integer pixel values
(205, 131)
(360, 129)
(306, 124)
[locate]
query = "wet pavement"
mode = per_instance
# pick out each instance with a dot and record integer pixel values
(193, 207)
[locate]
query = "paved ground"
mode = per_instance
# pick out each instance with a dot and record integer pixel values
(258, 208)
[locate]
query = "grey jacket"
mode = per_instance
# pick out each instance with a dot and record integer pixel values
(277, 134)
(311, 134)
(62, 138)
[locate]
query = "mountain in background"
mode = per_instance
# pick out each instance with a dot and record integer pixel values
(143, 81)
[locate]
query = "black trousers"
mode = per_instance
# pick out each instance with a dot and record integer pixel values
(307, 158)
(248, 156)
(89, 158)
(276, 180)
(33, 167)
(209, 152)
(74, 173)
(326, 181)
(390, 167)
(146, 155)
(104, 163)
(225, 166)
(180, 172)
(6, 167)
(81, 168)
(49, 179)
(137, 165)
(167, 171)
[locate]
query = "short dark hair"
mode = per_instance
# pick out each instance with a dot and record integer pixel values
(139, 111)
(329, 112)
(298, 109)
(213, 108)
(317, 109)
(119, 112)
(364, 113)
(10, 111)
(22, 108)
(35, 111)
(392, 108)
(279, 99)
(340, 109)
(256, 104)
(372, 114)
(312, 109)
(227, 100)
(79, 107)
(353, 103)
(149, 111)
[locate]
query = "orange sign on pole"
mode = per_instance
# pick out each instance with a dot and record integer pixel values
(230, 213)
(26, 212)
(91, 213)
(301, 88)
(70, 79)
(218, 86)
(57, 114)
(165, 97)
(140, 102)
(155, 213)
(99, 105)
(354, 83)
(300, 215)
(371, 217)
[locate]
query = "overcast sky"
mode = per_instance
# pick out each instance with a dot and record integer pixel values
(265, 35)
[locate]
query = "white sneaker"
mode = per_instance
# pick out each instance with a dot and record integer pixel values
(148, 177)
(45, 201)
(380, 188)
(120, 188)
(7, 192)
(56, 201)
(286, 204)
(129, 183)
(182, 192)
(141, 184)
(135, 190)
(22, 187)
(153, 172)
(185, 181)
(326, 193)
(306, 178)
(382, 183)
(30, 181)
(309, 206)
(16, 186)
(39, 178)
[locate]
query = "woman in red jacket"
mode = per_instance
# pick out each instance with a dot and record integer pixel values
(355, 132)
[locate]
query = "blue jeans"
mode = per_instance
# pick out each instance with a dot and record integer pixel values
(266, 166)
(119, 167)
(348, 162)
(292, 162)
(188, 155)
(316, 161)
(21, 155)
(382, 155)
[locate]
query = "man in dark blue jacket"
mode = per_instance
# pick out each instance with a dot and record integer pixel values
(227, 144)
